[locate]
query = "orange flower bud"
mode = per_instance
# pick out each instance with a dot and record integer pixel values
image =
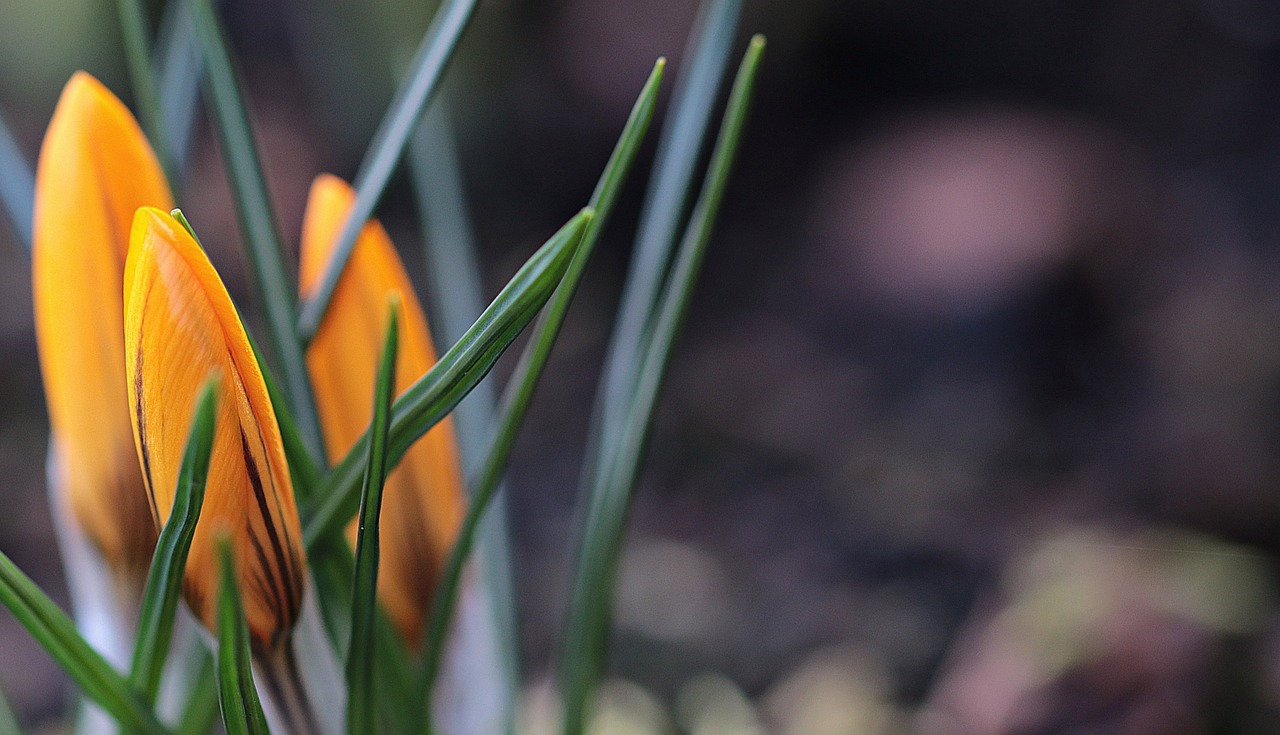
(424, 502)
(180, 328)
(95, 170)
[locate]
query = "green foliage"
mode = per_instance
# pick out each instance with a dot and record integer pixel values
(361, 716)
(164, 582)
(54, 630)
(386, 689)
(201, 710)
(622, 448)
(137, 56)
(516, 401)
(456, 297)
(435, 394)
(389, 143)
(257, 220)
(241, 709)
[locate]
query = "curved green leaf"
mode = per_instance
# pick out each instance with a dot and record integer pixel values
(457, 297)
(697, 82)
(241, 708)
(435, 394)
(53, 630)
(164, 582)
(516, 400)
(361, 712)
(591, 599)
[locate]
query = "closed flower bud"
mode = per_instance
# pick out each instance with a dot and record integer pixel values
(180, 328)
(423, 504)
(95, 170)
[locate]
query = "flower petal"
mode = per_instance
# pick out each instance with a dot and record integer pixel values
(95, 170)
(424, 501)
(180, 328)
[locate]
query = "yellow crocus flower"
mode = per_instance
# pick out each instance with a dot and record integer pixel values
(95, 170)
(180, 328)
(423, 504)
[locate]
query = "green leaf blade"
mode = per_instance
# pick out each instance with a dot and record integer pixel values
(457, 298)
(53, 630)
(706, 61)
(524, 380)
(179, 71)
(361, 709)
(238, 697)
(431, 398)
(384, 154)
(596, 567)
(168, 564)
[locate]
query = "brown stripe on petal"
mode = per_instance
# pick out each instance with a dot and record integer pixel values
(144, 452)
(191, 331)
(281, 571)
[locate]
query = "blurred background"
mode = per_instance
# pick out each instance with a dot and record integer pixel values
(974, 425)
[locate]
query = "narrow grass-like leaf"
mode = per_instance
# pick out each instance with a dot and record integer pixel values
(454, 287)
(519, 394)
(435, 394)
(394, 676)
(137, 55)
(333, 569)
(361, 712)
(53, 630)
(8, 723)
(200, 713)
(596, 567)
(178, 59)
(253, 204)
(705, 63)
(17, 186)
(241, 708)
(388, 146)
(164, 582)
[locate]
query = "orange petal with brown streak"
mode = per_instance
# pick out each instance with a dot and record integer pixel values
(181, 328)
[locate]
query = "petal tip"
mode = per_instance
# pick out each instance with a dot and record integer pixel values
(84, 90)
